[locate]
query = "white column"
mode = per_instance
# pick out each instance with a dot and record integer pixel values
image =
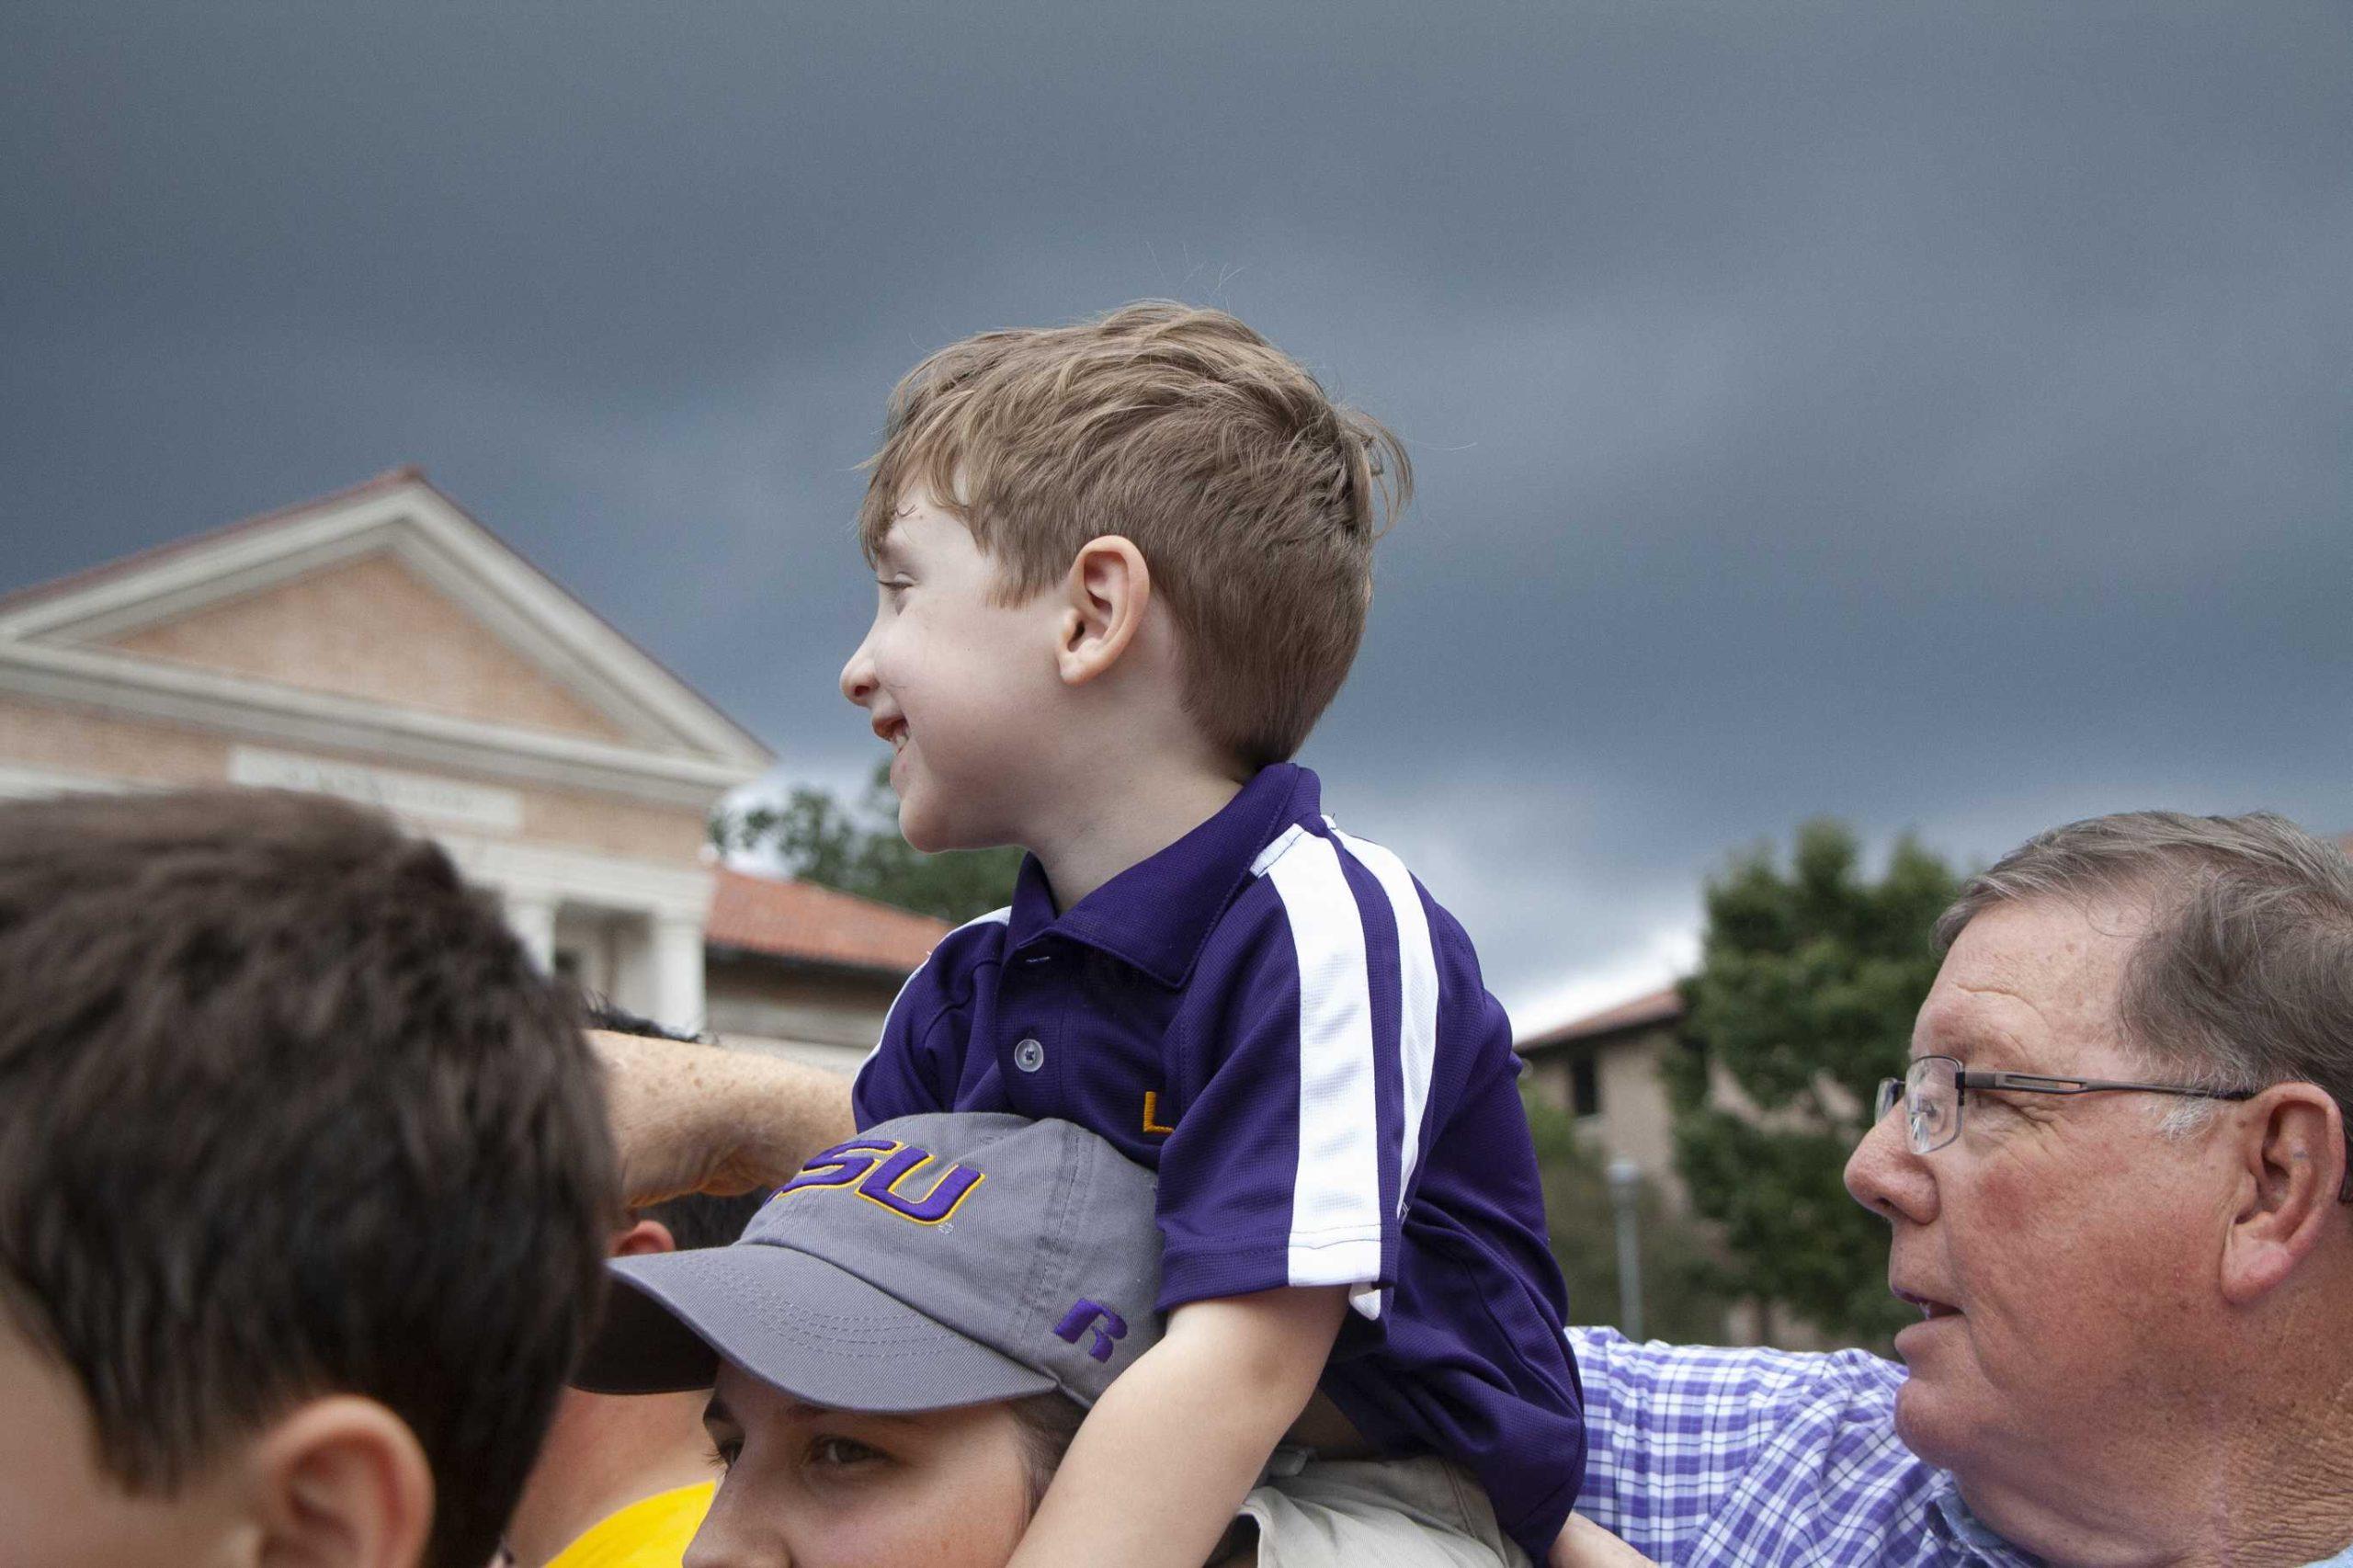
(678, 971)
(532, 918)
(634, 965)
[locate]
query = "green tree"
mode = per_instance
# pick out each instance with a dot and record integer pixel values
(1808, 981)
(856, 847)
(1682, 1276)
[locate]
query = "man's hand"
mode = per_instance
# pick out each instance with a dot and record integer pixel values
(697, 1119)
(1583, 1544)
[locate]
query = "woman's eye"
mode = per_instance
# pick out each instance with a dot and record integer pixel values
(727, 1452)
(840, 1452)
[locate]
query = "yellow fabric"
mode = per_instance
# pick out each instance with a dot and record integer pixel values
(649, 1534)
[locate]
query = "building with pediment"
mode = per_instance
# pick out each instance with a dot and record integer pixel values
(380, 644)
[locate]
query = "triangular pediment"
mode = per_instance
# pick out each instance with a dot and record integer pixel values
(371, 627)
(385, 599)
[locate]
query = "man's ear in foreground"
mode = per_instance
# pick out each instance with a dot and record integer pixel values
(340, 1482)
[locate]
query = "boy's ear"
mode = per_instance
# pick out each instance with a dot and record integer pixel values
(1105, 595)
(342, 1483)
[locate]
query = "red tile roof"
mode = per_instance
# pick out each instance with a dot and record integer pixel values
(1658, 1007)
(814, 925)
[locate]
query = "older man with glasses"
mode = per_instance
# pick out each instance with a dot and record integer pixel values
(2118, 1189)
(2121, 1195)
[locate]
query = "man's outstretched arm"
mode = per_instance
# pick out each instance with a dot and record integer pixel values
(688, 1119)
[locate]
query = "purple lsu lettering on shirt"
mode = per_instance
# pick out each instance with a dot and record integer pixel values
(1277, 1018)
(874, 1168)
(1085, 1316)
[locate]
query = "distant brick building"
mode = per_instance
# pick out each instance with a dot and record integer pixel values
(380, 644)
(1606, 1070)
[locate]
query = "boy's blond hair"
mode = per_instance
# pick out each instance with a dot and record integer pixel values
(1253, 498)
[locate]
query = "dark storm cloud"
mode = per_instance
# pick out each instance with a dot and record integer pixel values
(1937, 417)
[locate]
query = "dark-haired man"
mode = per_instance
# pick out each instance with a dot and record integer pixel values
(304, 1188)
(625, 1483)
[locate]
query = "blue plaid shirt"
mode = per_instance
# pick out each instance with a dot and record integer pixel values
(1763, 1457)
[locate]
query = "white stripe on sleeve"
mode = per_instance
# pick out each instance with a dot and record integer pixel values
(1417, 994)
(1336, 1193)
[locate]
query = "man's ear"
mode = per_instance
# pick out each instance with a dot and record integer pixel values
(2289, 1148)
(1105, 595)
(342, 1483)
(645, 1238)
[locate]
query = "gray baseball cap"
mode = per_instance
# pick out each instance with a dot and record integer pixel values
(934, 1261)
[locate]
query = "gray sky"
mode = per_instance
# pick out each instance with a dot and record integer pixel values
(1933, 415)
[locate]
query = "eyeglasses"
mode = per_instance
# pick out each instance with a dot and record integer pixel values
(1933, 1088)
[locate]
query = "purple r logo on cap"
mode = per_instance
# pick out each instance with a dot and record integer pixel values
(1106, 1324)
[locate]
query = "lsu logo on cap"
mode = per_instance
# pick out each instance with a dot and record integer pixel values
(886, 1171)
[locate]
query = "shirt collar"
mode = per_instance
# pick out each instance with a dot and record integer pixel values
(1157, 914)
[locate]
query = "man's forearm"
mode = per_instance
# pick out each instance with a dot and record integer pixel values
(692, 1118)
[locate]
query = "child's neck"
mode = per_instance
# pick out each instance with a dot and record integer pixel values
(1122, 821)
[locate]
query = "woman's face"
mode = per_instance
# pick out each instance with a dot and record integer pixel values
(808, 1487)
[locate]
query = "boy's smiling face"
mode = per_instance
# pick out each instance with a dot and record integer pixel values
(962, 685)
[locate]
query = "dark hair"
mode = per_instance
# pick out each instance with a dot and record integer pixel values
(285, 1110)
(1046, 1423)
(698, 1219)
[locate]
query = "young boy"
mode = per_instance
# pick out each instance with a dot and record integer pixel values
(1123, 566)
(305, 1181)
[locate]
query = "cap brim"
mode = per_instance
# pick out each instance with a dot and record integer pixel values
(814, 1330)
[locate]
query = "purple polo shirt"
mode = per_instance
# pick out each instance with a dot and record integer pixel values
(1275, 1015)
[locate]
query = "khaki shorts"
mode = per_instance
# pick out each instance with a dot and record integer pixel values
(1419, 1513)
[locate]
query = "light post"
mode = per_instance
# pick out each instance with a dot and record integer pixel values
(1625, 1182)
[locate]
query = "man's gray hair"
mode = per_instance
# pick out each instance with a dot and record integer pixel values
(2245, 977)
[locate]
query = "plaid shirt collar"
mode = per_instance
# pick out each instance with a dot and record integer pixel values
(1703, 1454)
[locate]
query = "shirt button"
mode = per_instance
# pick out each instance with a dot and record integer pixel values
(1028, 1056)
